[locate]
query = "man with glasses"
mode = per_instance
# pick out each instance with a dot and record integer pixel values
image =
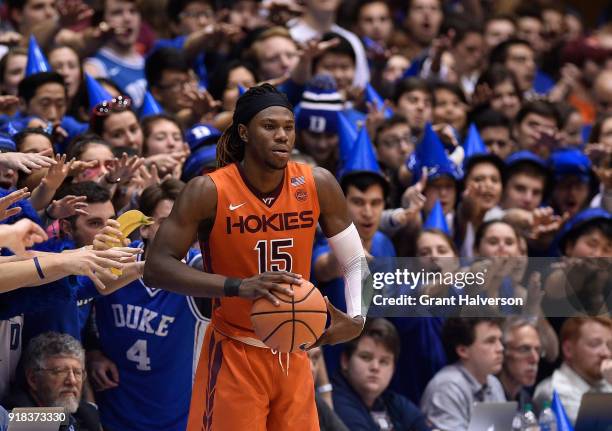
(54, 366)
(394, 142)
(522, 353)
(175, 86)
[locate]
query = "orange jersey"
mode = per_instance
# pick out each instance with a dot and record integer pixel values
(249, 237)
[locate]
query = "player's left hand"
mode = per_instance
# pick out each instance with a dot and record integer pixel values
(342, 328)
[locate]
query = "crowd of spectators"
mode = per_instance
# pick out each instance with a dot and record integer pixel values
(465, 134)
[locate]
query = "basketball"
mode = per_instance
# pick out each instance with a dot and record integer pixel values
(297, 320)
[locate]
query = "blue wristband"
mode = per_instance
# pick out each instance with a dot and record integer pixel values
(38, 268)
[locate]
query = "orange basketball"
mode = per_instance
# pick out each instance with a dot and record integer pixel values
(297, 320)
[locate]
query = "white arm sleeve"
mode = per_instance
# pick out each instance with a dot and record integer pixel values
(348, 250)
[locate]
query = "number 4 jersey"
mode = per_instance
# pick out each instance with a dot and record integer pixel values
(253, 233)
(154, 337)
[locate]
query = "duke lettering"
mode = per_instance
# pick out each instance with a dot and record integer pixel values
(142, 319)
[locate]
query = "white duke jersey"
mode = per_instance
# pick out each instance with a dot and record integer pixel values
(10, 351)
(154, 337)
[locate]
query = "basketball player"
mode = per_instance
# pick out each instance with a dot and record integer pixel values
(255, 218)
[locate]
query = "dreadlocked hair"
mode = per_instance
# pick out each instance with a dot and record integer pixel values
(230, 146)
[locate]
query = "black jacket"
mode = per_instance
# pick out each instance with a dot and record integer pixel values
(356, 416)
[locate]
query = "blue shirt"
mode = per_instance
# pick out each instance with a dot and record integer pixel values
(68, 315)
(127, 74)
(154, 338)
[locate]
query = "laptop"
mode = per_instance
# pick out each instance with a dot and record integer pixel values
(595, 413)
(493, 416)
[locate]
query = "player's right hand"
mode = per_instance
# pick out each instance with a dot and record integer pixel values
(263, 284)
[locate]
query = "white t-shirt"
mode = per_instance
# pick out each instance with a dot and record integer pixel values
(10, 350)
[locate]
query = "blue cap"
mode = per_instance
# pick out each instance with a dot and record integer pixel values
(203, 157)
(37, 62)
(473, 143)
(317, 111)
(372, 96)
(96, 93)
(436, 219)
(430, 153)
(150, 106)
(201, 134)
(362, 157)
(525, 156)
(6, 143)
(570, 161)
(241, 90)
(578, 220)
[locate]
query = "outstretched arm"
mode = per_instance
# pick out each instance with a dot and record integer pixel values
(348, 250)
(164, 268)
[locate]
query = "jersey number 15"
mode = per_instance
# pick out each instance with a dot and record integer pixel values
(272, 255)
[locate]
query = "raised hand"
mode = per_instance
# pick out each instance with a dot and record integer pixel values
(78, 167)
(281, 11)
(446, 133)
(57, 173)
(601, 156)
(26, 162)
(545, 221)
(124, 168)
(93, 263)
(470, 204)
(202, 103)
(72, 12)
(67, 207)
(413, 197)
(21, 235)
(166, 163)
(10, 199)
(535, 294)
(10, 38)
(109, 236)
(375, 117)
(7, 102)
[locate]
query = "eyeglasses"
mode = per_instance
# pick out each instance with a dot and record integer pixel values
(79, 373)
(396, 141)
(117, 104)
(525, 350)
(177, 86)
(197, 15)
